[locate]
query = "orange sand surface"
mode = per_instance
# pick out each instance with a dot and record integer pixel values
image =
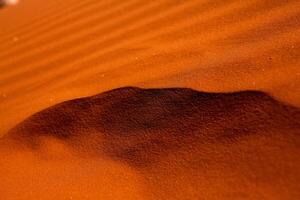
(56, 50)
(51, 51)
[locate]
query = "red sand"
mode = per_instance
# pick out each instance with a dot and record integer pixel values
(51, 51)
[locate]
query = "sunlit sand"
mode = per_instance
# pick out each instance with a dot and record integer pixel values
(54, 51)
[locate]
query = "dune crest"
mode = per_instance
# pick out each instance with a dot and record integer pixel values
(218, 145)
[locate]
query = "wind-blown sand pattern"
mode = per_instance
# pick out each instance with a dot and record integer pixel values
(53, 51)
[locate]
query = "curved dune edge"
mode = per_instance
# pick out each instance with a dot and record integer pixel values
(171, 143)
(52, 51)
(55, 50)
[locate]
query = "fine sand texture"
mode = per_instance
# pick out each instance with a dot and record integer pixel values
(223, 125)
(180, 143)
(52, 51)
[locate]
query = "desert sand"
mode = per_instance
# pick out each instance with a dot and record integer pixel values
(53, 51)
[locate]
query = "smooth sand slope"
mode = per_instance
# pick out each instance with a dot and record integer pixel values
(52, 51)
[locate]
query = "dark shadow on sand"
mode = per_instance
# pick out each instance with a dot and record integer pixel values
(139, 126)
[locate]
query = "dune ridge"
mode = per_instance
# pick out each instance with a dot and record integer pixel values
(170, 137)
(59, 50)
(52, 51)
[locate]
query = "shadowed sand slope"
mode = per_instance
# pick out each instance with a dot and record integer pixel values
(133, 143)
(54, 50)
(242, 145)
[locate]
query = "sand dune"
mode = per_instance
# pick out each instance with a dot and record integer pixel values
(53, 51)
(181, 143)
